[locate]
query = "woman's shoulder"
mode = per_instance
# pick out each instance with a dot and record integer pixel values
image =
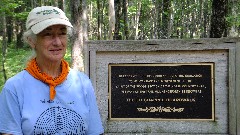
(80, 77)
(16, 82)
(19, 76)
(79, 74)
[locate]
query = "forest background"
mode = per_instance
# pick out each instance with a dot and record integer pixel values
(116, 20)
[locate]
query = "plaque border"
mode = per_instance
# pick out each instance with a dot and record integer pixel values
(212, 64)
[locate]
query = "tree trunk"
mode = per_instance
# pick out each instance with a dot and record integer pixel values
(158, 17)
(77, 38)
(85, 20)
(218, 22)
(165, 18)
(99, 20)
(125, 20)
(4, 46)
(139, 4)
(62, 5)
(193, 23)
(206, 19)
(19, 28)
(111, 13)
(9, 29)
(118, 7)
(20, 43)
(182, 20)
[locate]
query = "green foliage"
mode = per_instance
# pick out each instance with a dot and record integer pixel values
(15, 9)
(15, 62)
(21, 16)
(233, 16)
(8, 6)
(233, 20)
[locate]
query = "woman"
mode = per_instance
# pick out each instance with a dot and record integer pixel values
(48, 97)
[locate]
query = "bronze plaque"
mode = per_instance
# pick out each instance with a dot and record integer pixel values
(161, 91)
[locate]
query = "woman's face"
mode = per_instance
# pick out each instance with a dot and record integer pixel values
(50, 44)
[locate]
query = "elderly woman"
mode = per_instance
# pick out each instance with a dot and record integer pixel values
(48, 97)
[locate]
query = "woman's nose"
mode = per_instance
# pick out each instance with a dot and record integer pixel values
(56, 40)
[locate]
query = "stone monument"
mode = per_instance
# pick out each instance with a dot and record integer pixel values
(167, 86)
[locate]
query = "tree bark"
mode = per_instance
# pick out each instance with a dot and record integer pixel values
(99, 20)
(218, 22)
(4, 46)
(62, 5)
(165, 18)
(9, 29)
(158, 17)
(118, 7)
(111, 13)
(77, 37)
(85, 20)
(19, 27)
(139, 4)
(125, 20)
(205, 19)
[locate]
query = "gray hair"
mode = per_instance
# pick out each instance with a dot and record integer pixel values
(29, 34)
(26, 35)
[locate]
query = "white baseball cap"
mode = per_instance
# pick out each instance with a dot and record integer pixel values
(42, 17)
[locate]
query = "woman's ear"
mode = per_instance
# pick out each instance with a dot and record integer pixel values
(31, 42)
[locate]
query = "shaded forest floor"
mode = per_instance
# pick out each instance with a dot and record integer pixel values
(15, 62)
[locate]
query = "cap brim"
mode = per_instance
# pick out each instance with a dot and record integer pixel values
(37, 28)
